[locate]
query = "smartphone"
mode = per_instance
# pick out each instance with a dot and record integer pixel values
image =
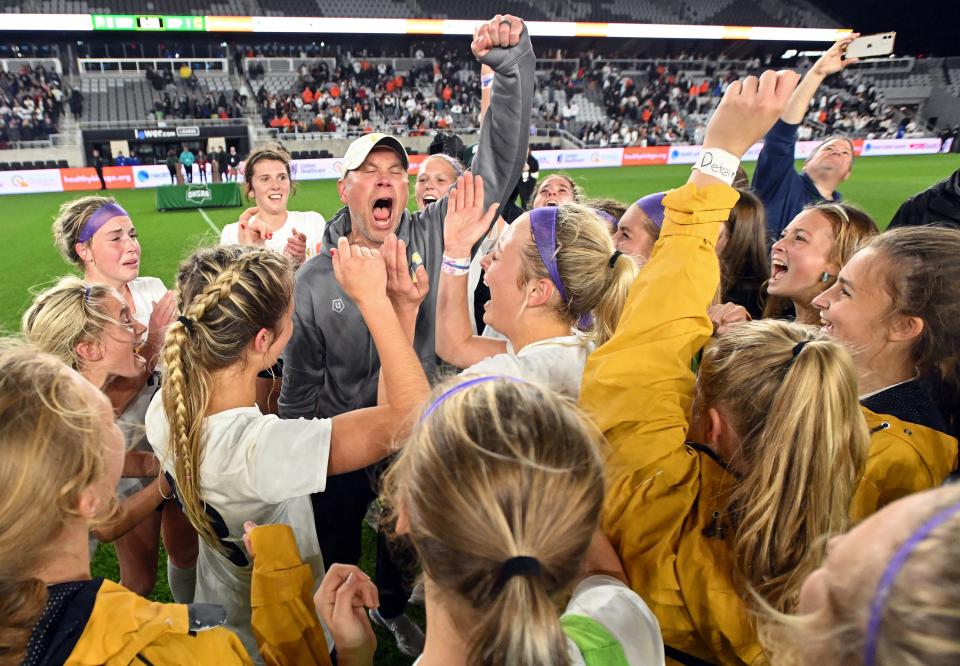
(871, 46)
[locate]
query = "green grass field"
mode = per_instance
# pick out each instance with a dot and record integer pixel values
(878, 184)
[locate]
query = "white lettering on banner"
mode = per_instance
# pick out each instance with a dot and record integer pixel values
(683, 154)
(38, 180)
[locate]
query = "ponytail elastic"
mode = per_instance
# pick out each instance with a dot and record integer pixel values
(890, 575)
(516, 566)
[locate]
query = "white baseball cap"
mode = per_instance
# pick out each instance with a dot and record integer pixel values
(360, 148)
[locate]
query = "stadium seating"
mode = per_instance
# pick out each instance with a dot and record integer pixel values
(735, 12)
(120, 98)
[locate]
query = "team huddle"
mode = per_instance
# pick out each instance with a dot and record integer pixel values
(711, 426)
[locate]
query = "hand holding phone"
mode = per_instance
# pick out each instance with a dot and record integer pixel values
(871, 46)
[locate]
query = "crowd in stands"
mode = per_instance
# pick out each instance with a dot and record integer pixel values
(174, 102)
(358, 94)
(31, 103)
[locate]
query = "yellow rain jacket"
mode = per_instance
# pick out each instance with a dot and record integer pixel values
(910, 449)
(124, 628)
(664, 510)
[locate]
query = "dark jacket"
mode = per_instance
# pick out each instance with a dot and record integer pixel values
(939, 204)
(783, 191)
(331, 364)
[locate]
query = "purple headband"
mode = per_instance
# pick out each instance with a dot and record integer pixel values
(890, 575)
(461, 387)
(98, 219)
(604, 215)
(543, 224)
(452, 161)
(652, 206)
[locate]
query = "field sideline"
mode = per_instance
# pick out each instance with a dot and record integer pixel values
(30, 261)
(878, 184)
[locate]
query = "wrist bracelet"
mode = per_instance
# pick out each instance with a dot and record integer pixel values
(486, 81)
(718, 163)
(452, 266)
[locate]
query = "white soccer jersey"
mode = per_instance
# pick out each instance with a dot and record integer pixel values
(309, 223)
(254, 467)
(145, 292)
(554, 362)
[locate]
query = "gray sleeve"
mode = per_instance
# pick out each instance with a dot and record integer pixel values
(304, 358)
(505, 132)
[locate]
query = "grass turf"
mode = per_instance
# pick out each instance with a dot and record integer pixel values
(878, 184)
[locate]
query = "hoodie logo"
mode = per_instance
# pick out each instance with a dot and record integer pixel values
(337, 305)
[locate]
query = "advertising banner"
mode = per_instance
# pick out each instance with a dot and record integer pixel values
(645, 156)
(38, 180)
(579, 159)
(202, 195)
(85, 178)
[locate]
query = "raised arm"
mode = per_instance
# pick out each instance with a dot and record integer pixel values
(640, 380)
(364, 436)
(465, 224)
(829, 63)
(504, 45)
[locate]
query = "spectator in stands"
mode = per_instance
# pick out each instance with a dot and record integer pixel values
(785, 192)
(939, 204)
(322, 376)
(186, 161)
(120, 160)
(76, 104)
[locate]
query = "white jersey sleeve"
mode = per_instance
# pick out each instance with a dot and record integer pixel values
(289, 458)
(230, 234)
(145, 292)
(624, 614)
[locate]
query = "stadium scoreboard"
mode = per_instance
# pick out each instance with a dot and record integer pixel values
(128, 22)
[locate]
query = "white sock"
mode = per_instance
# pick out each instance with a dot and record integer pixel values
(182, 582)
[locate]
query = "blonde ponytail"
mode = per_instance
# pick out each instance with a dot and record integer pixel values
(595, 276)
(499, 470)
(227, 294)
(791, 395)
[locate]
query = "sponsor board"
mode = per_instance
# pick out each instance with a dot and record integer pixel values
(900, 146)
(85, 178)
(319, 169)
(644, 156)
(579, 159)
(39, 180)
(414, 163)
(199, 194)
(150, 175)
(683, 154)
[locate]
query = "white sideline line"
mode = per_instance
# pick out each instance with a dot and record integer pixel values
(206, 218)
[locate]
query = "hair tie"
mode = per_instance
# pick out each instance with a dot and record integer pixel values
(614, 257)
(516, 566)
(543, 226)
(890, 575)
(797, 348)
(187, 322)
(86, 294)
(99, 218)
(461, 387)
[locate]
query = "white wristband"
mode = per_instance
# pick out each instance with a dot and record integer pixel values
(718, 163)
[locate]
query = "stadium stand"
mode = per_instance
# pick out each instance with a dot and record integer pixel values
(31, 102)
